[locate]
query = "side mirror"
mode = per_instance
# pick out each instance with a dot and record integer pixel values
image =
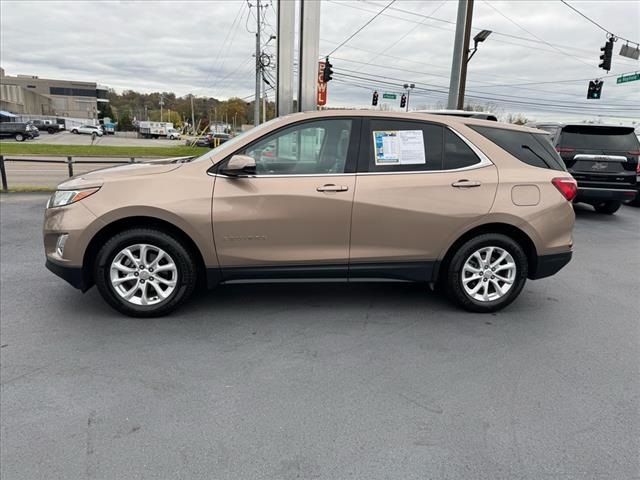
(240, 165)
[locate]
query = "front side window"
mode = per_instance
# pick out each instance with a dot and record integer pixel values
(315, 147)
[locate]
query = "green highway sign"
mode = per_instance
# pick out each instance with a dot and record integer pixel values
(628, 78)
(390, 96)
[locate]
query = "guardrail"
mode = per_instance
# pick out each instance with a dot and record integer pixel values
(70, 162)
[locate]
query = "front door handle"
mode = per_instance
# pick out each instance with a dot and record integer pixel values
(330, 187)
(465, 184)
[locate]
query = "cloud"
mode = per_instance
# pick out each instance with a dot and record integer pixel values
(206, 48)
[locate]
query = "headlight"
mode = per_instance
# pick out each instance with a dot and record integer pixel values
(60, 198)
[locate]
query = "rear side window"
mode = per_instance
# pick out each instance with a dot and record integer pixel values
(593, 137)
(531, 148)
(402, 146)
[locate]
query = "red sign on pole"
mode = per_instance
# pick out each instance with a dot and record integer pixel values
(322, 86)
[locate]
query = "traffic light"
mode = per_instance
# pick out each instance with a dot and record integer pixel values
(327, 72)
(403, 101)
(605, 58)
(374, 100)
(595, 89)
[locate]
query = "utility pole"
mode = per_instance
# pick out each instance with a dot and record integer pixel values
(256, 105)
(465, 57)
(459, 52)
(161, 104)
(193, 118)
(285, 56)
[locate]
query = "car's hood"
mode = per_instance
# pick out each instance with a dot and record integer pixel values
(97, 177)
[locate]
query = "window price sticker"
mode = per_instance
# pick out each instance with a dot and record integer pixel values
(399, 147)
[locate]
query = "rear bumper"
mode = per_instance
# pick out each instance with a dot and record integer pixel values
(548, 265)
(590, 194)
(73, 275)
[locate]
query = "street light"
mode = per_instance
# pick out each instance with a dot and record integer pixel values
(480, 37)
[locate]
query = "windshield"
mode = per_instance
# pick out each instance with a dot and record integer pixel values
(232, 142)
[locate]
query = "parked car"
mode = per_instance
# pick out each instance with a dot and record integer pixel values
(46, 126)
(173, 134)
(21, 131)
(604, 161)
(88, 130)
(212, 140)
(363, 195)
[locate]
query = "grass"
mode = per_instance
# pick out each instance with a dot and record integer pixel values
(7, 149)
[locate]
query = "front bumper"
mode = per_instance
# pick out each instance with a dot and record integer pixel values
(548, 265)
(73, 275)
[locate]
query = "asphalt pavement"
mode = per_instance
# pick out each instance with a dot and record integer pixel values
(323, 381)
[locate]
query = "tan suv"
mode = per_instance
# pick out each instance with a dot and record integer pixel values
(473, 206)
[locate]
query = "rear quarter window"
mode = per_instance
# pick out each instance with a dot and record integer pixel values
(534, 149)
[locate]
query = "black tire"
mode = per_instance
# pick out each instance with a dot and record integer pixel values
(186, 266)
(453, 280)
(19, 137)
(635, 202)
(609, 207)
(50, 131)
(74, 131)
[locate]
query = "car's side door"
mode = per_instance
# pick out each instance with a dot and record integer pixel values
(417, 185)
(293, 217)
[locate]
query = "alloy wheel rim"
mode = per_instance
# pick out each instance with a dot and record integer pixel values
(143, 274)
(488, 274)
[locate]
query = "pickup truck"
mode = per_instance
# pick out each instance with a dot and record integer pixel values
(18, 130)
(46, 126)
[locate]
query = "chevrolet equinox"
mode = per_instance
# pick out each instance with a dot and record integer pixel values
(474, 207)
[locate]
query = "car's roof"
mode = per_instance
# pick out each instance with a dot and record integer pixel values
(443, 119)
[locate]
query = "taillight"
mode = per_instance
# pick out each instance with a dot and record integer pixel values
(565, 150)
(566, 186)
(638, 167)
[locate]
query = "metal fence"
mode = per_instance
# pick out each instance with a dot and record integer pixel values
(70, 162)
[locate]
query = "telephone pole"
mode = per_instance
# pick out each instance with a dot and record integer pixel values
(256, 103)
(459, 51)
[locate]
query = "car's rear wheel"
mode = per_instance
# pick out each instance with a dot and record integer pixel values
(609, 207)
(487, 273)
(19, 137)
(74, 131)
(145, 272)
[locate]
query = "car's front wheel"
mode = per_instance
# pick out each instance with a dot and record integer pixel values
(609, 207)
(145, 272)
(19, 137)
(487, 273)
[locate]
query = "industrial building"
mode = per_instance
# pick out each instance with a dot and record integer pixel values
(27, 94)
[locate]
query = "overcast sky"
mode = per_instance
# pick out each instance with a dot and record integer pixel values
(537, 61)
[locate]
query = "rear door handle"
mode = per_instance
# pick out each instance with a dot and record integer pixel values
(465, 184)
(330, 187)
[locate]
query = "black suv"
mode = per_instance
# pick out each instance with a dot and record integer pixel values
(604, 159)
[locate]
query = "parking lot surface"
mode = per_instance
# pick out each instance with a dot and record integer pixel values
(324, 381)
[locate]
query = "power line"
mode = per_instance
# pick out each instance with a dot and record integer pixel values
(396, 82)
(448, 22)
(535, 36)
(389, 47)
(597, 24)
(362, 27)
